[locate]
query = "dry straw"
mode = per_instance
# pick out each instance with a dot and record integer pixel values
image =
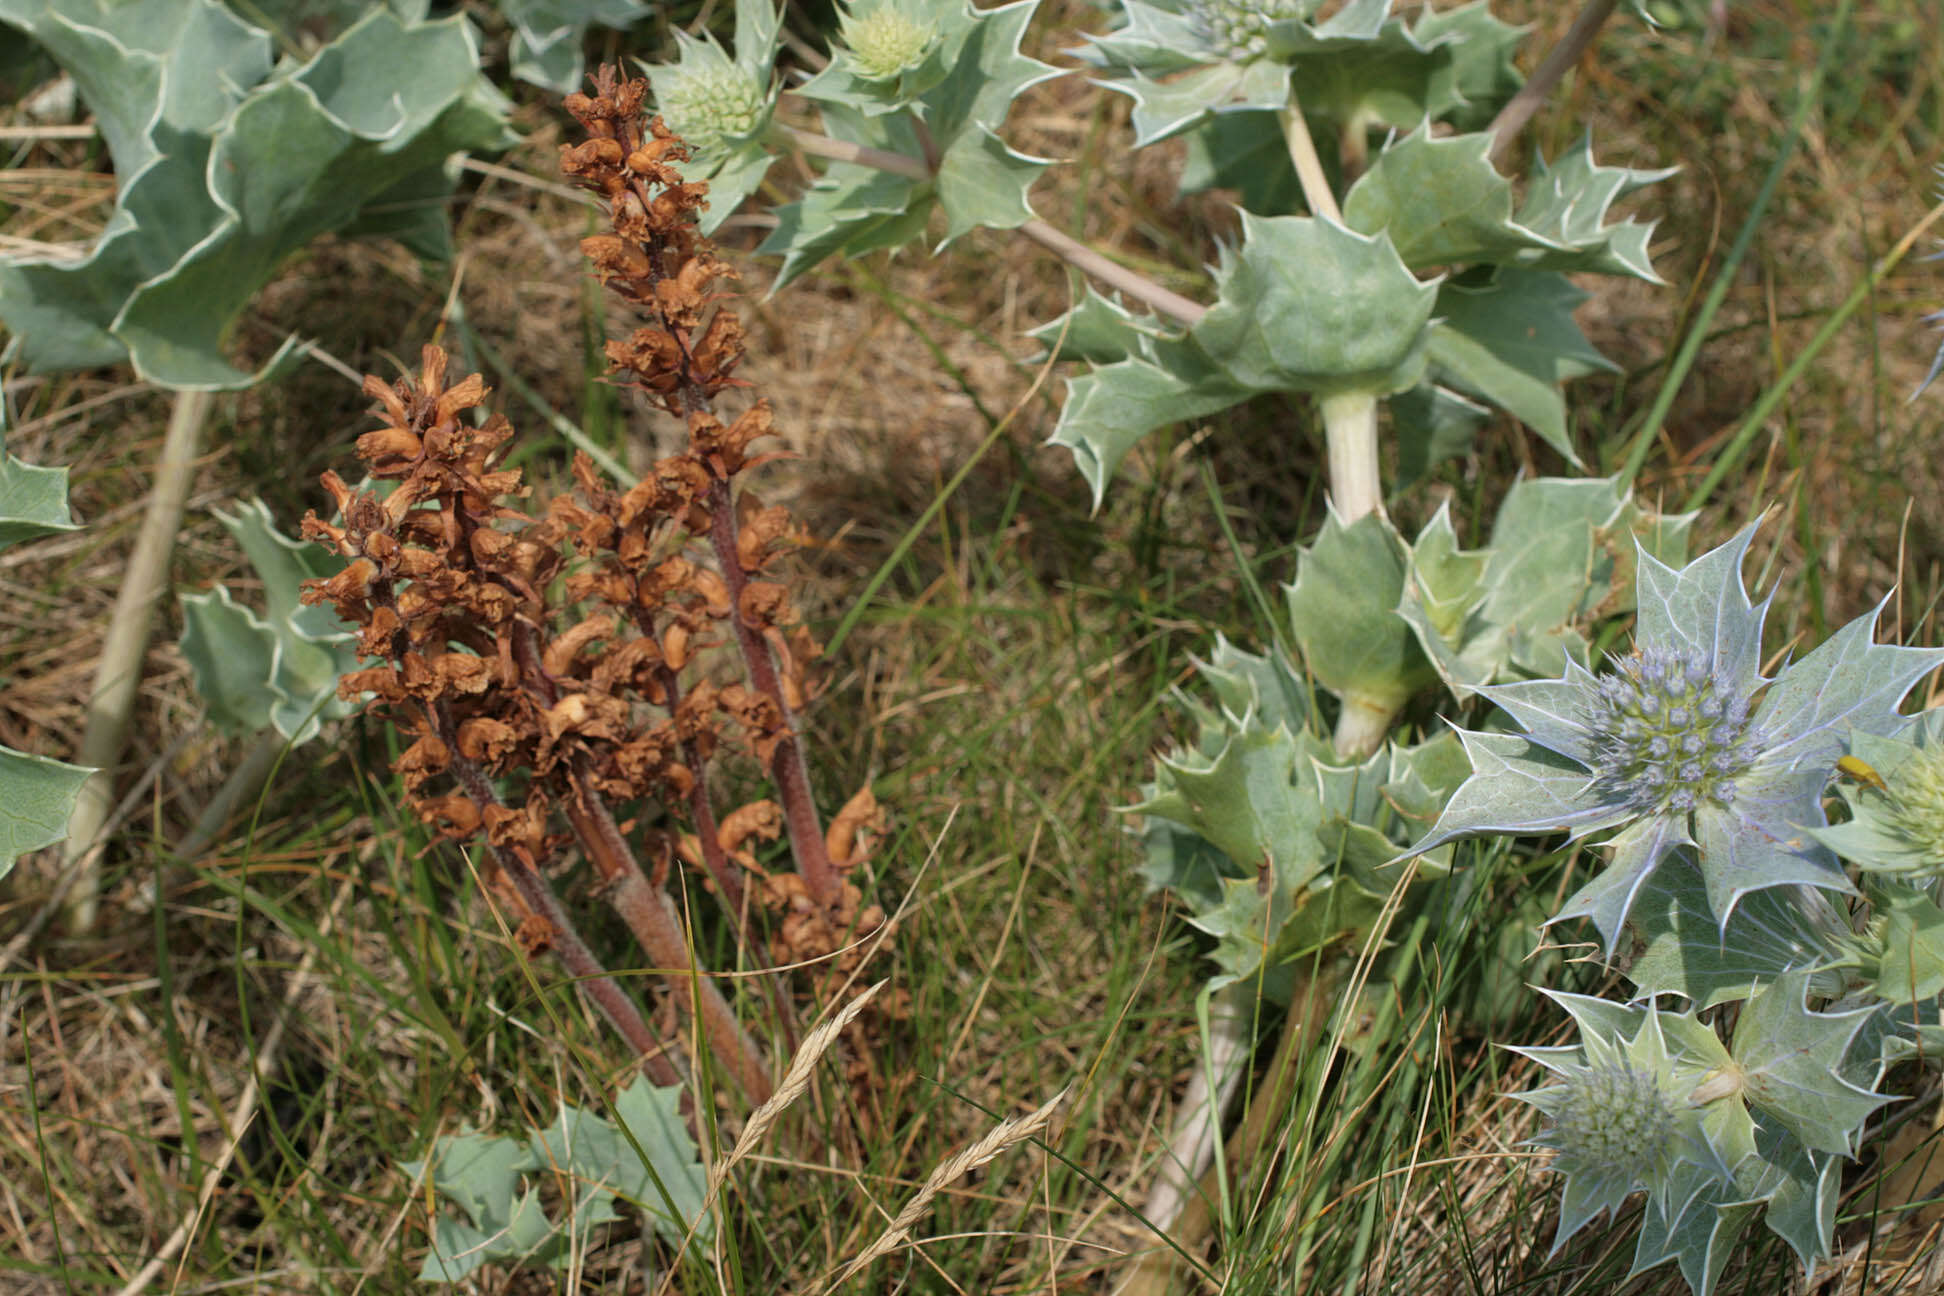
(1007, 1133)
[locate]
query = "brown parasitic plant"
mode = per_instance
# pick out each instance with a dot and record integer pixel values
(552, 667)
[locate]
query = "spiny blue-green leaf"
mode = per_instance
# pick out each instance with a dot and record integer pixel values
(1110, 409)
(279, 669)
(1166, 108)
(983, 182)
(1483, 72)
(1791, 1058)
(1268, 689)
(1431, 425)
(33, 501)
(1512, 342)
(1801, 1188)
(1307, 305)
(987, 74)
(1443, 202)
(1699, 1234)
(1567, 203)
(849, 210)
(1245, 152)
(1246, 802)
(665, 1177)
(1849, 684)
(1100, 330)
(1904, 943)
(481, 1174)
(1364, 67)
(1343, 612)
(233, 168)
(1561, 555)
(547, 36)
(1686, 951)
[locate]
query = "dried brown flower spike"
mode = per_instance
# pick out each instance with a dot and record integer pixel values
(550, 666)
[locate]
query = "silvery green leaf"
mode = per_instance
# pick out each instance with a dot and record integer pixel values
(1363, 66)
(1266, 691)
(1567, 203)
(1108, 411)
(227, 166)
(1801, 1188)
(1307, 305)
(1163, 109)
(1512, 342)
(1686, 951)
(982, 182)
(1101, 330)
(1699, 1235)
(1160, 38)
(1342, 611)
(548, 34)
(33, 501)
(1792, 1061)
(1518, 787)
(1849, 684)
(1245, 152)
(1246, 802)
(1481, 56)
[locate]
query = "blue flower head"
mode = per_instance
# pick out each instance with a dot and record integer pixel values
(1686, 745)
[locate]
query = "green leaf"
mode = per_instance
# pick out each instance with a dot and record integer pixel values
(33, 501)
(1513, 342)
(227, 167)
(1481, 48)
(1567, 203)
(1109, 410)
(278, 670)
(1245, 802)
(548, 35)
(1685, 950)
(1343, 611)
(1904, 943)
(982, 182)
(1792, 1061)
(1364, 67)
(1431, 425)
(1307, 305)
(38, 796)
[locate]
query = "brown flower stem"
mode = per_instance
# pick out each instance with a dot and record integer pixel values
(1519, 109)
(651, 916)
(729, 883)
(787, 766)
(564, 940)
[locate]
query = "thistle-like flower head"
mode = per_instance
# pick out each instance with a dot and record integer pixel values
(885, 40)
(1623, 1113)
(1686, 745)
(709, 99)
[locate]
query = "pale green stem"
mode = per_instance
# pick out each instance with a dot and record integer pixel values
(1309, 168)
(1350, 430)
(119, 670)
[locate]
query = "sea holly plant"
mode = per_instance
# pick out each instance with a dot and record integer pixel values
(1725, 884)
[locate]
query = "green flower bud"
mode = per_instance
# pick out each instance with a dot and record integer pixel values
(885, 42)
(1235, 29)
(711, 102)
(1612, 1120)
(1918, 802)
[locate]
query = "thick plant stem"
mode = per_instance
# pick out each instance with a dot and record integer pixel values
(1191, 1150)
(1309, 1011)
(1350, 430)
(651, 917)
(1309, 168)
(787, 767)
(119, 671)
(1519, 109)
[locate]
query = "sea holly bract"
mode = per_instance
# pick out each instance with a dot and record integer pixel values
(1686, 746)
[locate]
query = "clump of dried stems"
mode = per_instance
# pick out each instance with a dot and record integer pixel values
(553, 667)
